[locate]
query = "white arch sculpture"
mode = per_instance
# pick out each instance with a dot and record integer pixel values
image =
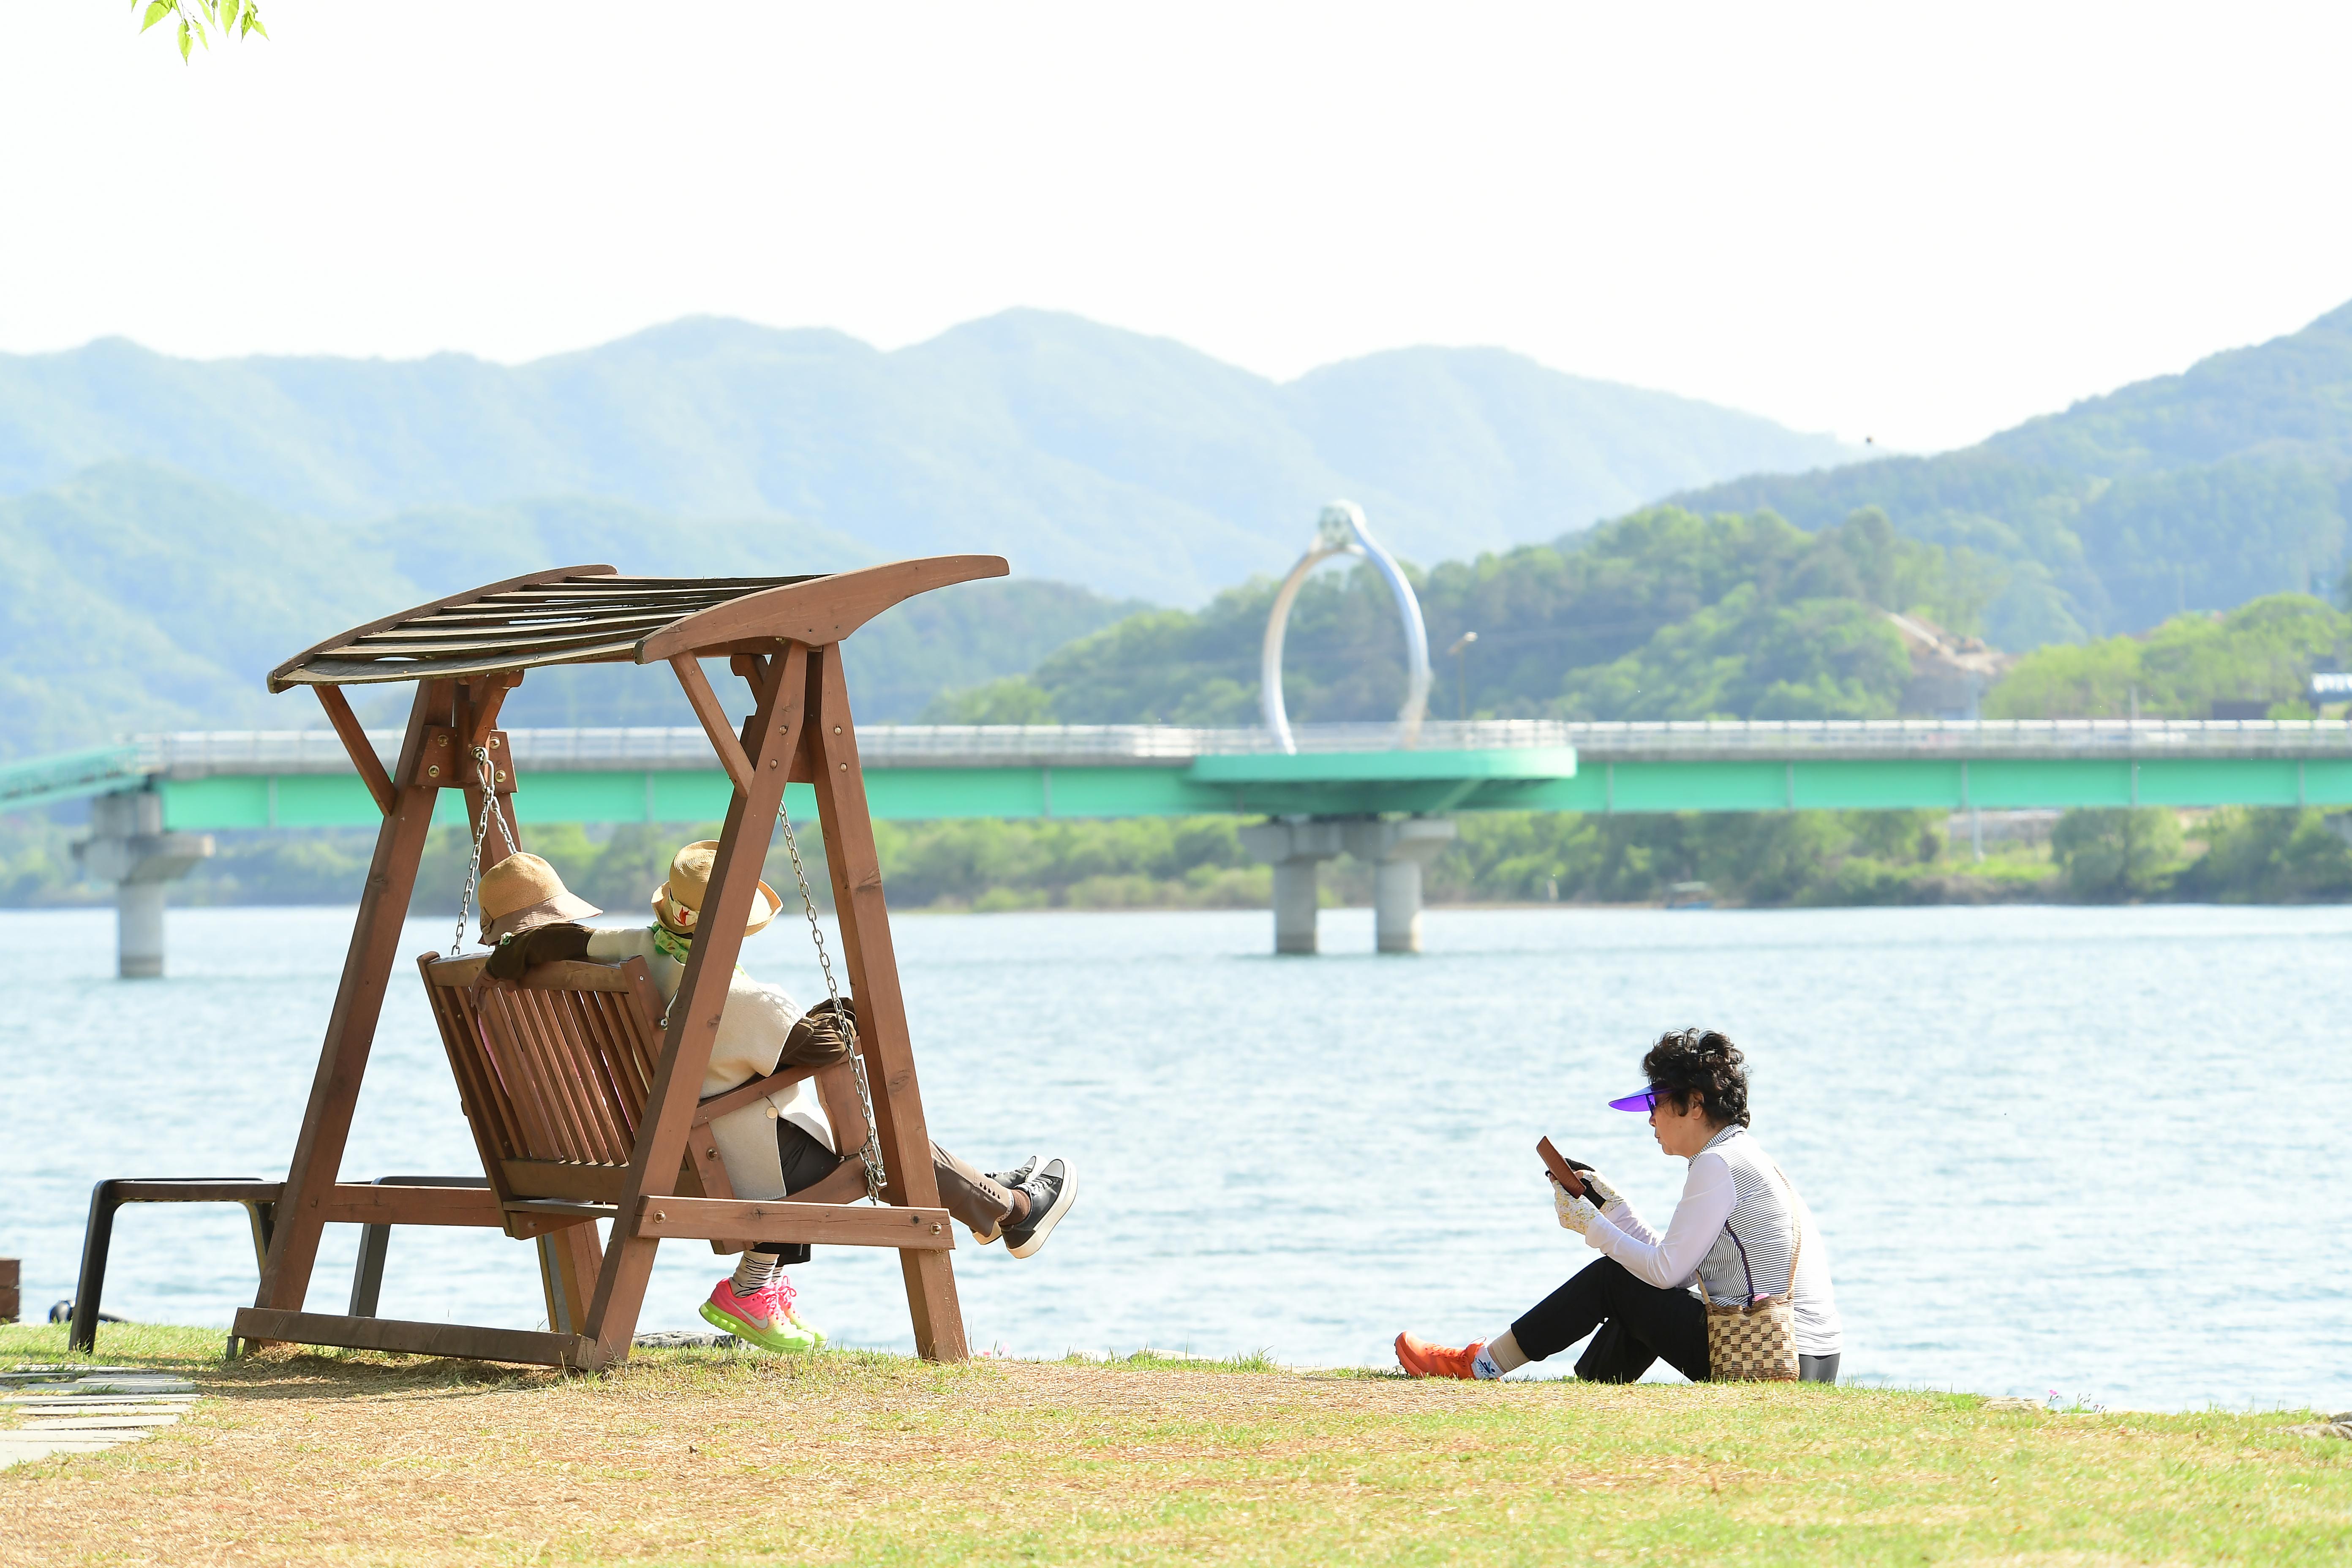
(1341, 532)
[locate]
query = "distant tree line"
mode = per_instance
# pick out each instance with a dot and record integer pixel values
(1779, 858)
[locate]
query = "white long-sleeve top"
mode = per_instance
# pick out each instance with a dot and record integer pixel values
(752, 1025)
(1732, 1190)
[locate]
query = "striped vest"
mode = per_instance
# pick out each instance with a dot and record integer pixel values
(1758, 1241)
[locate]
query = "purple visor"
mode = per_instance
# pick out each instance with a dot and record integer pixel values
(1643, 1101)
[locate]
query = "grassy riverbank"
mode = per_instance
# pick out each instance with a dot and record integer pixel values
(705, 1457)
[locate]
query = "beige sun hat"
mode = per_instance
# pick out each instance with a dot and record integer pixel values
(522, 893)
(677, 903)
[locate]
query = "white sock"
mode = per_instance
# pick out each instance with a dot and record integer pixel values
(753, 1272)
(1501, 1355)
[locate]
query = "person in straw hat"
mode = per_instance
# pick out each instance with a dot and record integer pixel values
(783, 1143)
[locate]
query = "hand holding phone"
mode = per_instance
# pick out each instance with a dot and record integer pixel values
(1561, 1171)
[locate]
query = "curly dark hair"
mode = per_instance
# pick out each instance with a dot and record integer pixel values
(1702, 1063)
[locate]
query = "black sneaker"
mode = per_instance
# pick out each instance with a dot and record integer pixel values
(1050, 1190)
(1014, 1177)
(1008, 1180)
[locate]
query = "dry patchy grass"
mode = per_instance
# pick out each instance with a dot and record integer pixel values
(701, 1458)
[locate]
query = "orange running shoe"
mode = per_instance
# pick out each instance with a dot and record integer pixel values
(1421, 1359)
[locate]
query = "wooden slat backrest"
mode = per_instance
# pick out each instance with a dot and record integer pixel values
(555, 1068)
(555, 1071)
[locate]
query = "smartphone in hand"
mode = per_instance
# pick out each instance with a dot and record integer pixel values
(1561, 1171)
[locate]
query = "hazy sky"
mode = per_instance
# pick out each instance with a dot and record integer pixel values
(1918, 223)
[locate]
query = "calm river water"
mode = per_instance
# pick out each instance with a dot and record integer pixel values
(2099, 1152)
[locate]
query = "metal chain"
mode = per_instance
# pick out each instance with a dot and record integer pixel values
(870, 1152)
(481, 831)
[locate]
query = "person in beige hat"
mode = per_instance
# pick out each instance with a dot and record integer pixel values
(779, 1145)
(522, 893)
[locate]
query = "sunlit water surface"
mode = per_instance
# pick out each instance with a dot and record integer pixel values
(2098, 1152)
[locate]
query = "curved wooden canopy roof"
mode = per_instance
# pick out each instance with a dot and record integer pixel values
(594, 615)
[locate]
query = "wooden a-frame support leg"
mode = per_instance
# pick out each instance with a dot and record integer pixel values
(350, 1027)
(883, 1037)
(318, 1159)
(804, 717)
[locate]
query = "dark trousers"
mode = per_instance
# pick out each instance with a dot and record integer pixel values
(965, 1190)
(806, 1162)
(1633, 1324)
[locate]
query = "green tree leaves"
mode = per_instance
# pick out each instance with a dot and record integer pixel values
(2264, 651)
(2125, 853)
(197, 18)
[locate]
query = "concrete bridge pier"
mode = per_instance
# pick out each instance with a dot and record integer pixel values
(1297, 847)
(1397, 850)
(128, 847)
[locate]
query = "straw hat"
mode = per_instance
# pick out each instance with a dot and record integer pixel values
(522, 892)
(677, 902)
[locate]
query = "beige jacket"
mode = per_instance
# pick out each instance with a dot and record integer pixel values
(751, 1030)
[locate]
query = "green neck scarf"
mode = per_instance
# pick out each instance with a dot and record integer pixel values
(671, 946)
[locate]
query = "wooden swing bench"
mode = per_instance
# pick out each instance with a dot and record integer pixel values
(580, 1093)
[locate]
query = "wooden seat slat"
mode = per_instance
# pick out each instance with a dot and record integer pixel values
(519, 1077)
(598, 1017)
(595, 1068)
(486, 1111)
(536, 1009)
(513, 1010)
(559, 1076)
(596, 1064)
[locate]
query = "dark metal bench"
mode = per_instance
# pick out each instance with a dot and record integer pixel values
(259, 1198)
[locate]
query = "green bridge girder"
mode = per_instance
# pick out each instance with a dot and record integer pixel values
(1335, 784)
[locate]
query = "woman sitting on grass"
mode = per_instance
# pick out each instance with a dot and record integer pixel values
(1734, 1236)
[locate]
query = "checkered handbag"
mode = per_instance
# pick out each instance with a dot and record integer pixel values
(1756, 1342)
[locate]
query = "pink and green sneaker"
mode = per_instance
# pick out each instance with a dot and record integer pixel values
(764, 1318)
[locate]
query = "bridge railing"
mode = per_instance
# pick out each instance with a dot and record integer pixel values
(1827, 737)
(198, 753)
(195, 753)
(26, 785)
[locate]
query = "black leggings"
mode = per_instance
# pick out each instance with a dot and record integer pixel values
(1637, 1325)
(806, 1162)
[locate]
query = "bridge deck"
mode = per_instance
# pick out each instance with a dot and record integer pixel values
(232, 779)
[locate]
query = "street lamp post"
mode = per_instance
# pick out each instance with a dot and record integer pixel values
(1460, 652)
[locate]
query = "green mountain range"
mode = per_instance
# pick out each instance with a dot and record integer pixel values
(2196, 491)
(2225, 488)
(1131, 465)
(180, 527)
(138, 598)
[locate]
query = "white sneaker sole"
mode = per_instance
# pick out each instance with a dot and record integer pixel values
(1044, 1228)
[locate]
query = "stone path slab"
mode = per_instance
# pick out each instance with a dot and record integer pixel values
(86, 1409)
